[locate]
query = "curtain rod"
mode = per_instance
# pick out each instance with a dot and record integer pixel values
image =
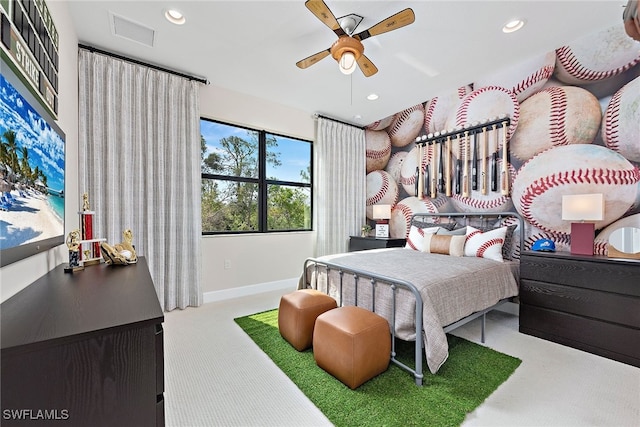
(338, 121)
(145, 64)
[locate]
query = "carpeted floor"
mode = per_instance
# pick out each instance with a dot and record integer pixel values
(216, 376)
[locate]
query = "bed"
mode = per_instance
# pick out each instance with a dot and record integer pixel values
(423, 289)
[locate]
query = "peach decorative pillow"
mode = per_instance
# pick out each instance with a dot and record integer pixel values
(416, 237)
(485, 245)
(445, 245)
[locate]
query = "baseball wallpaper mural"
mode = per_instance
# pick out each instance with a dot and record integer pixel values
(573, 128)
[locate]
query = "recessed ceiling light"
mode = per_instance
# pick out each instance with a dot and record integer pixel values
(357, 117)
(174, 16)
(513, 25)
(372, 97)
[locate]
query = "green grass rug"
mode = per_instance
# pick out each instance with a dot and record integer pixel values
(470, 374)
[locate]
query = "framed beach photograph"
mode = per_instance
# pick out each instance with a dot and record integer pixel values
(32, 166)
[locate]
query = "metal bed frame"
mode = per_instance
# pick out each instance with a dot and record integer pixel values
(394, 284)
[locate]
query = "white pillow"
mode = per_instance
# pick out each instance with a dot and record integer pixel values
(416, 237)
(485, 245)
(445, 245)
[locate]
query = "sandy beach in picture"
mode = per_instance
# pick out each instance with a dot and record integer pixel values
(30, 218)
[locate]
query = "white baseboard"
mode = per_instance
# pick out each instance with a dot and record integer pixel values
(225, 294)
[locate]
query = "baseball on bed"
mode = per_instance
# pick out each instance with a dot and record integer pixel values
(483, 103)
(523, 79)
(381, 190)
(573, 169)
(406, 125)
(378, 149)
(621, 121)
(408, 170)
(598, 56)
(438, 109)
(555, 116)
(401, 214)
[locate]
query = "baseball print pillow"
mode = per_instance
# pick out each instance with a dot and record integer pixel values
(485, 245)
(415, 239)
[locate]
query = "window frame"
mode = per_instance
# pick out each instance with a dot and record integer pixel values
(262, 182)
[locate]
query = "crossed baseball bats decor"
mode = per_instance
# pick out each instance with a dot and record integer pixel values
(437, 178)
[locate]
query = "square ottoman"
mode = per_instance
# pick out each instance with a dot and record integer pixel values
(297, 315)
(352, 344)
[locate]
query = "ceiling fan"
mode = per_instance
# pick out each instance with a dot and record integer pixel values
(348, 50)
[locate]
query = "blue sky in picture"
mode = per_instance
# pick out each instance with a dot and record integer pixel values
(45, 147)
(294, 154)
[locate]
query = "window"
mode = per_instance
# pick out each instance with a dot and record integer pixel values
(254, 181)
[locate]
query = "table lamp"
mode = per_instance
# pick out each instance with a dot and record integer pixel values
(581, 209)
(382, 213)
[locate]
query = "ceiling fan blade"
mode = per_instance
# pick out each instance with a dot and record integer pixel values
(309, 61)
(399, 20)
(322, 12)
(367, 67)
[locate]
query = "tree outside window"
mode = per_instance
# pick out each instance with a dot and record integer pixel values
(254, 181)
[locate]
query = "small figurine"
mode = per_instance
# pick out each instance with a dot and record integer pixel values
(121, 253)
(85, 202)
(73, 244)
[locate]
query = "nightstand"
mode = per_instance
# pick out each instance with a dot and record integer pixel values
(357, 243)
(591, 303)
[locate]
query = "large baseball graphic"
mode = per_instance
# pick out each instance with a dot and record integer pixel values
(493, 201)
(532, 234)
(380, 124)
(401, 214)
(483, 104)
(394, 166)
(598, 56)
(555, 116)
(408, 171)
(406, 125)
(523, 79)
(602, 239)
(381, 190)
(621, 121)
(573, 169)
(378, 149)
(437, 110)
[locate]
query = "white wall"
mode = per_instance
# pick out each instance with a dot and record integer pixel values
(15, 277)
(253, 258)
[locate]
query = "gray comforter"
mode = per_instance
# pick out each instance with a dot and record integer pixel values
(451, 289)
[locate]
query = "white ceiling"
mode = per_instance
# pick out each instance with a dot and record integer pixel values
(252, 46)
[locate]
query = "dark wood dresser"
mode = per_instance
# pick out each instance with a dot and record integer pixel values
(358, 243)
(84, 349)
(591, 303)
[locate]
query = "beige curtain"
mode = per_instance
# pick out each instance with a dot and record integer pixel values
(340, 178)
(139, 162)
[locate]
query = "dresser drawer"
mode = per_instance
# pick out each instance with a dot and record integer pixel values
(584, 272)
(606, 306)
(605, 339)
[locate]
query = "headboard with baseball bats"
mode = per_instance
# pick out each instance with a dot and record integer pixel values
(472, 147)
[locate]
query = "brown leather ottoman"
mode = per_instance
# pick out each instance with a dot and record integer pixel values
(352, 344)
(297, 315)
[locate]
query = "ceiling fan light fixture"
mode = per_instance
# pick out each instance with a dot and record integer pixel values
(347, 62)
